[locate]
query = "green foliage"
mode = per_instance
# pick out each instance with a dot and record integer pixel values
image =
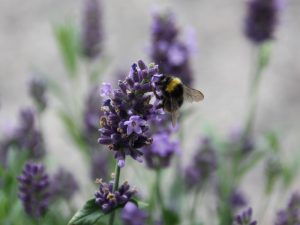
(170, 217)
(88, 215)
(73, 130)
(68, 43)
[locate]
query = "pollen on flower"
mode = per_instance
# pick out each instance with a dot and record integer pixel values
(127, 113)
(98, 180)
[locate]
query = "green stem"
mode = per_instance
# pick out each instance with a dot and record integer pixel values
(115, 187)
(253, 96)
(193, 209)
(157, 189)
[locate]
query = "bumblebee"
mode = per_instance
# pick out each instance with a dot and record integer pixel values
(174, 93)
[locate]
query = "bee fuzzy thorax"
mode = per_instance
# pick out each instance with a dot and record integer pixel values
(172, 84)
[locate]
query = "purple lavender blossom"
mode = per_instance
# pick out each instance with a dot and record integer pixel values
(63, 185)
(37, 90)
(237, 199)
(108, 199)
(203, 165)
(126, 113)
(171, 54)
(34, 189)
(244, 218)
(159, 154)
(92, 32)
(244, 145)
(132, 215)
(290, 215)
(261, 20)
(25, 136)
(91, 116)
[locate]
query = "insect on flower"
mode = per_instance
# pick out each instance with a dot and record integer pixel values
(174, 93)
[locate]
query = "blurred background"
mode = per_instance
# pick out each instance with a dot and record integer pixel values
(222, 67)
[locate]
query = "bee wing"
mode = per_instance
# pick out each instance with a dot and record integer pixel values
(192, 95)
(174, 111)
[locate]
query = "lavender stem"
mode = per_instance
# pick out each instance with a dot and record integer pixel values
(115, 187)
(254, 96)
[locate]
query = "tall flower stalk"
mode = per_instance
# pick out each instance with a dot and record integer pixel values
(115, 187)
(260, 24)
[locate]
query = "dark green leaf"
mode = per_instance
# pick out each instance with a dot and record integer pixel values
(139, 204)
(88, 215)
(170, 217)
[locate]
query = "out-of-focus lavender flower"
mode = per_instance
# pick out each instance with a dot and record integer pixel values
(108, 199)
(91, 115)
(203, 165)
(171, 54)
(92, 31)
(159, 154)
(244, 218)
(63, 185)
(273, 170)
(24, 136)
(261, 20)
(132, 215)
(28, 137)
(34, 189)
(126, 113)
(237, 199)
(244, 145)
(37, 90)
(99, 165)
(290, 215)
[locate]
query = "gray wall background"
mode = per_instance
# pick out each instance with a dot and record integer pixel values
(222, 66)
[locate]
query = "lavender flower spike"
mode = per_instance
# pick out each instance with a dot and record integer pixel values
(132, 215)
(127, 112)
(92, 33)
(34, 189)
(262, 19)
(63, 184)
(245, 218)
(108, 199)
(159, 154)
(37, 90)
(290, 215)
(171, 54)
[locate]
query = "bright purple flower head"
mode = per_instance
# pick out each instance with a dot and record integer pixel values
(92, 32)
(108, 199)
(127, 112)
(132, 215)
(261, 20)
(159, 154)
(135, 124)
(290, 215)
(244, 218)
(63, 185)
(37, 90)
(106, 90)
(34, 189)
(171, 54)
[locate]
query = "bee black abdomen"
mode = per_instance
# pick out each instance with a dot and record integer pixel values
(177, 92)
